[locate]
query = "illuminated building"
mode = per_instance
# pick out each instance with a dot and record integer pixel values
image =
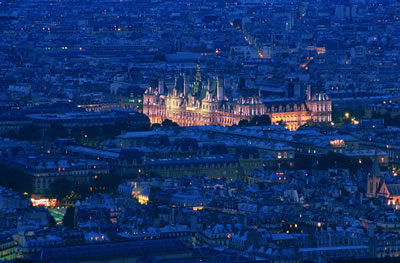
(205, 103)
(211, 166)
(8, 248)
(375, 180)
(137, 189)
(45, 202)
(377, 187)
(219, 235)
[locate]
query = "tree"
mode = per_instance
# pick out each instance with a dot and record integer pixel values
(336, 160)
(260, 120)
(243, 123)
(15, 179)
(77, 134)
(106, 182)
(56, 131)
(110, 131)
(159, 57)
(30, 133)
(60, 188)
(81, 190)
(169, 123)
(12, 134)
(310, 123)
(155, 126)
(333, 161)
(256, 121)
(69, 217)
(51, 220)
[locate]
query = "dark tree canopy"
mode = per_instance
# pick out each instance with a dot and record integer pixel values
(159, 57)
(15, 179)
(56, 131)
(335, 160)
(169, 123)
(260, 120)
(106, 183)
(30, 133)
(68, 219)
(243, 123)
(60, 188)
(256, 121)
(155, 126)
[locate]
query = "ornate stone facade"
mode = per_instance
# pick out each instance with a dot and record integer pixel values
(205, 103)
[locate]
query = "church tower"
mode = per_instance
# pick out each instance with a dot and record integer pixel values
(198, 73)
(374, 179)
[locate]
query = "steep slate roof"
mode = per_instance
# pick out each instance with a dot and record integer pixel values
(394, 189)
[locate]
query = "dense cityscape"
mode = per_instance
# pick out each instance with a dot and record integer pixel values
(200, 131)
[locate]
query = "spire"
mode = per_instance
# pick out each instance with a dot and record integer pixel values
(198, 73)
(376, 171)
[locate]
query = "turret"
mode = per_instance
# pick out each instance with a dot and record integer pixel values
(161, 86)
(198, 73)
(176, 81)
(227, 82)
(220, 89)
(308, 92)
(186, 85)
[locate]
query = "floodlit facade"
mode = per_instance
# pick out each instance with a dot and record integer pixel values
(205, 103)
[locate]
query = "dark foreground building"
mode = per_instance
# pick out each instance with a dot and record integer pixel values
(131, 251)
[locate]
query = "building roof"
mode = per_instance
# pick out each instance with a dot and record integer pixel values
(110, 250)
(394, 189)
